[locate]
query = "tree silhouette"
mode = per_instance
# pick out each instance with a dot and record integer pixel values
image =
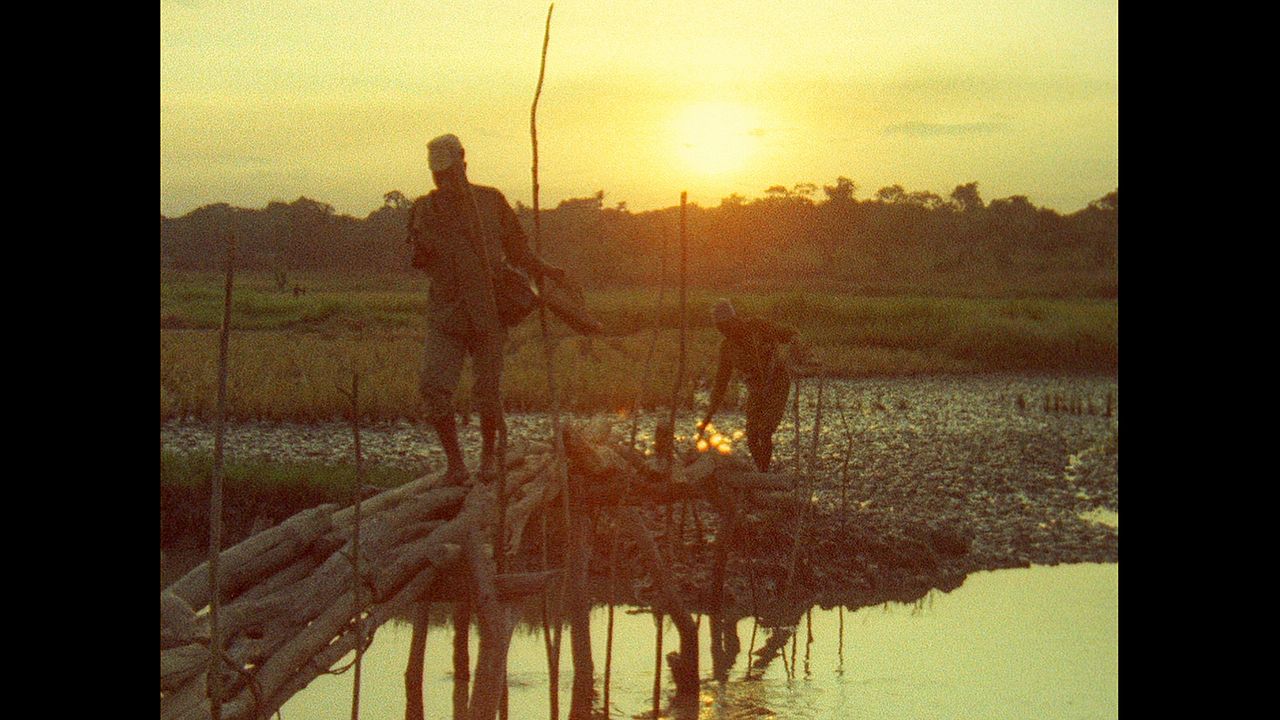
(891, 194)
(966, 197)
(395, 200)
(770, 240)
(805, 190)
(1106, 202)
(925, 199)
(841, 192)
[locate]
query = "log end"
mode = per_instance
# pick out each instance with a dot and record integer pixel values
(178, 622)
(444, 555)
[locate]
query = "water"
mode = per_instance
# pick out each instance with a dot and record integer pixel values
(980, 452)
(1039, 642)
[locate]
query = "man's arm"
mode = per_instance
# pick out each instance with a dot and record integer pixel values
(516, 245)
(723, 373)
(420, 234)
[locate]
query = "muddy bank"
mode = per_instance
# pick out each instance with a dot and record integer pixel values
(917, 483)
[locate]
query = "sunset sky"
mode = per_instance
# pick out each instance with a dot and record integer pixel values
(276, 99)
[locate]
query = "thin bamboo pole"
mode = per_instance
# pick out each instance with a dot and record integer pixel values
(548, 351)
(804, 503)
(356, 581)
(808, 643)
(684, 320)
(817, 428)
(795, 419)
(215, 496)
(841, 650)
(653, 340)
(785, 667)
(844, 466)
(801, 502)
(755, 615)
(561, 464)
(657, 665)
(413, 673)
(608, 643)
(795, 639)
(461, 660)
(551, 642)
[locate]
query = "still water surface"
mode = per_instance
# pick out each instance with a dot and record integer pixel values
(1039, 642)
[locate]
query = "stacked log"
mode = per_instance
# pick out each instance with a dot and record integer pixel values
(289, 591)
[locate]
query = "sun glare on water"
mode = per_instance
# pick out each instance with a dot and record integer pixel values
(716, 137)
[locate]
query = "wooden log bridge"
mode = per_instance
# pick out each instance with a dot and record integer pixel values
(289, 595)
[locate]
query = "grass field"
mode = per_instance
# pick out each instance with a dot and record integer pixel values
(289, 355)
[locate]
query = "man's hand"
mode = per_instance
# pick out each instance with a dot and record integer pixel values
(702, 427)
(799, 356)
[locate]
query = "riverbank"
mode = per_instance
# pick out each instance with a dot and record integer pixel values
(918, 482)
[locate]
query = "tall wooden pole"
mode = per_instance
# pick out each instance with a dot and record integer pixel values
(413, 708)
(562, 472)
(215, 496)
(841, 651)
(684, 322)
(357, 583)
(795, 419)
(461, 659)
(608, 643)
(657, 664)
(817, 428)
(653, 340)
(808, 643)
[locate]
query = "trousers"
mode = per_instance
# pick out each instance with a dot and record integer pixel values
(766, 405)
(444, 351)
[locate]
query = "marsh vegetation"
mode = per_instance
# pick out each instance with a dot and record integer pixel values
(289, 350)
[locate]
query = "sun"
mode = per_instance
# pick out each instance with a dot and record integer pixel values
(716, 137)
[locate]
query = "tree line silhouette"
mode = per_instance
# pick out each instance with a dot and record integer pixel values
(790, 235)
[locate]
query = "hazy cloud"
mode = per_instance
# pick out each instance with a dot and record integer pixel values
(924, 129)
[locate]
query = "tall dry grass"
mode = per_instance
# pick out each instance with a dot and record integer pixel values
(288, 353)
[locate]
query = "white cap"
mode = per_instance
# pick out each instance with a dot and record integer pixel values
(443, 152)
(723, 311)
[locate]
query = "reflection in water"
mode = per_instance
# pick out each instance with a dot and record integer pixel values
(1028, 643)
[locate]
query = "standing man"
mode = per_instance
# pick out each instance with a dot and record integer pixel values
(753, 347)
(461, 235)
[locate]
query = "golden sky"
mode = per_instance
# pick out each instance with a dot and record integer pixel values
(275, 99)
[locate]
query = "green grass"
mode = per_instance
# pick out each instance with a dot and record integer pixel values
(288, 355)
(251, 489)
(195, 302)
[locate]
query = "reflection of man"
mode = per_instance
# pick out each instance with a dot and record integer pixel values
(461, 234)
(753, 347)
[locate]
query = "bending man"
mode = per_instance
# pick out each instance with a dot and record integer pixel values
(753, 347)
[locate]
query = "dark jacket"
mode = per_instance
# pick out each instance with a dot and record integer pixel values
(452, 247)
(752, 347)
